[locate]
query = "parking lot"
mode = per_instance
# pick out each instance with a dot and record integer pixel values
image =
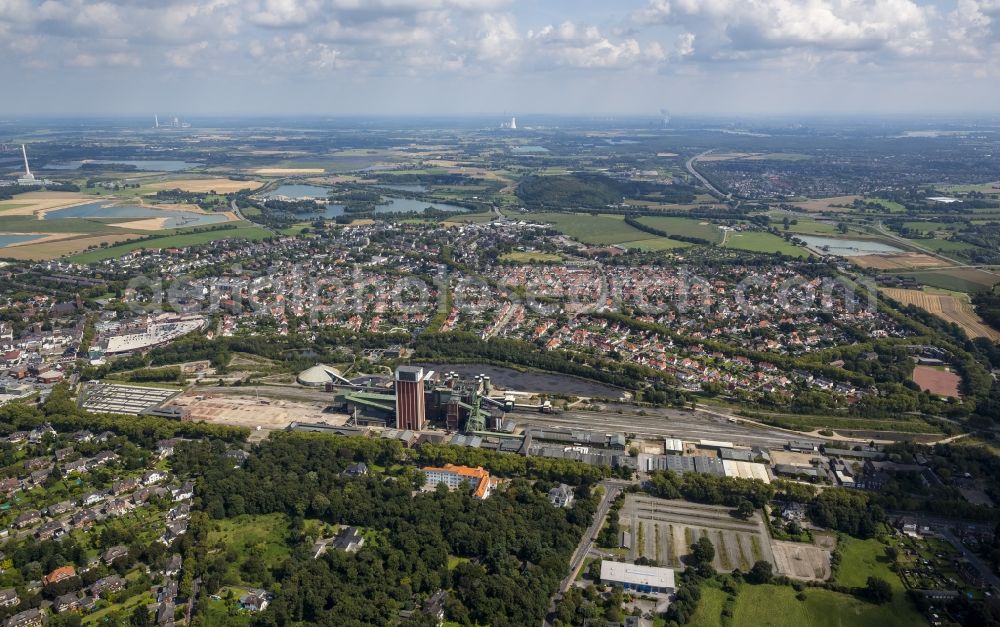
(664, 530)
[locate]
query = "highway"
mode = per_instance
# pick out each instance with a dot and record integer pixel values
(704, 181)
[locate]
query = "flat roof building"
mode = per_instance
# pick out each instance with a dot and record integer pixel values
(648, 579)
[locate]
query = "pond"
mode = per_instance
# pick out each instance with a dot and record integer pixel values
(174, 219)
(148, 165)
(6, 239)
(510, 379)
(847, 247)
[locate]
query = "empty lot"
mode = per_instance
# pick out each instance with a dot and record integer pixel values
(664, 530)
(251, 412)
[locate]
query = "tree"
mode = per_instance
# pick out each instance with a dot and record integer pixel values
(703, 551)
(892, 553)
(140, 617)
(761, 572)
(745, 509)
(878, 590)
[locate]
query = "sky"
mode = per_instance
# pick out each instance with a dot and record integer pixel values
(431, 57)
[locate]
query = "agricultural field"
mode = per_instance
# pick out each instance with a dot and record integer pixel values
(901, 261)
(950, 307)
(686, 227)
(58, 245)
(957, 279)
(664, 530)
(201, 185)
(760, 242)
(243, 229)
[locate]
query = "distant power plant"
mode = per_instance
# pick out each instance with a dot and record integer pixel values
(509, 126)
(28, 178)
(665, 115)
(172, 122)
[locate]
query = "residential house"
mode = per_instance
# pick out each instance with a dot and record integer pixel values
(173, 567)
(153, 476)
(8, 597)
(66, 603)
(359, 469)
(113, 553)
(109, 584)
(254, 601)
(60, 574)
(50, 530)
(27, 618)
(349, 539)
(183, 492)
(27, 519)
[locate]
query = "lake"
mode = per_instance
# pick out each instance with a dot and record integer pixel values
(847, 247)
(392, 204)
(6, 239)
(148, 165)
(510, 379)
(175, 219)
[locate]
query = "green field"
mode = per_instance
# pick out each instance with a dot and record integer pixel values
(861, 559)
(531, 257)
(839, 423)
(4, 206)
(263, 536)
(942, 245)
(776, 606)
(957, 280)
(656, 243)
(687, 227)
(760, 242)
(243, 229)
(709, 611)
(601, 229)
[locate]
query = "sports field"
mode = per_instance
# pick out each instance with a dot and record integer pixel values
(531, 257)
(938, 381)
(948, 307)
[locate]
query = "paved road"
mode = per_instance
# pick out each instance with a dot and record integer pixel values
(612, 488)
(704, 181)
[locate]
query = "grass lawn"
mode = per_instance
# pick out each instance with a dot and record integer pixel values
(454, 561)
(470, 218)
(260, 535)
(770, 605)
(760, 242)
(12, 205)
(862, 559)
(688, 227)
(123, 609)
(529, 257)
(709, 612)
(243, 230)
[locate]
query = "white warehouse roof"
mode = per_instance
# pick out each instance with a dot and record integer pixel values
(634, 574)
